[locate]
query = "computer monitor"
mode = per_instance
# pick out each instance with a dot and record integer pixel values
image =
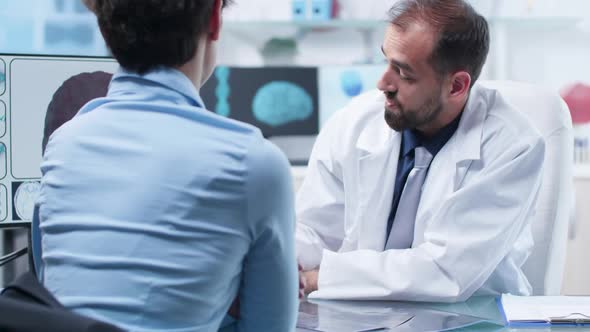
(27, 86)
(282, 102)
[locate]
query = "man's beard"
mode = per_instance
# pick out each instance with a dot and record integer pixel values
(401, 119)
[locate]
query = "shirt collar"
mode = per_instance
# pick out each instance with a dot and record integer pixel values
(412, 138)
(163, 77)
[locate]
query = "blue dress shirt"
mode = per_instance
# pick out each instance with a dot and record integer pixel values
(410, 140)
(156, 213)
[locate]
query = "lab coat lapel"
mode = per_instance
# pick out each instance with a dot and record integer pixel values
(466, 143)
(452, 163)
(457, 155)
(378, 147)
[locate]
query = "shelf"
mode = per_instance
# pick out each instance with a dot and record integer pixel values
(511, 21)
(539, 22)
(305, 24)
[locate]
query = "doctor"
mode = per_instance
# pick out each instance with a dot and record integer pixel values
(424, 190)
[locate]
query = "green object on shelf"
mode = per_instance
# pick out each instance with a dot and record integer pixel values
(279, 51)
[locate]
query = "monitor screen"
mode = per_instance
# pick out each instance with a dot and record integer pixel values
(282, 102)
(27, 87)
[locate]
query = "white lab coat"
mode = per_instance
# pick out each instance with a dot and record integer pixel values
(472, 229)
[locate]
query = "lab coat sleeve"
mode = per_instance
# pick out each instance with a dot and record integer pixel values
(464, 241)
(320, 201)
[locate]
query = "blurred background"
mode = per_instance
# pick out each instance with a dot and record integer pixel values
(545, 42)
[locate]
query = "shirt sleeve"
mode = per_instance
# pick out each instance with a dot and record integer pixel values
(269, 290)
(320, 200)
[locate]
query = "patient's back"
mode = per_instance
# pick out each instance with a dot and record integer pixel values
(151, 210)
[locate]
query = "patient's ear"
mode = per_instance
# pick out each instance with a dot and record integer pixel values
(215, 21)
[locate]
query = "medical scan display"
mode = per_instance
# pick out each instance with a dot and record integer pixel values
(2, 77)
(280, 101)
(29, 83)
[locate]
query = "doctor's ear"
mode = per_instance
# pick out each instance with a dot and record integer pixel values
(460, 84)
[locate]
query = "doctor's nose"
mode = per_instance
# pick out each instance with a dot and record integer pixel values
(387, 83)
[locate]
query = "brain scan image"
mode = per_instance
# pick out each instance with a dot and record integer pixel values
(2, 160)
(3, 203)
(351, 83)
(24, 199)
(339, 84)
(2, 77)
(2, 119)
(280, 102)
(222, 91)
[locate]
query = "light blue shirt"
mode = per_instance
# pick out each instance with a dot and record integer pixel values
(156, 213)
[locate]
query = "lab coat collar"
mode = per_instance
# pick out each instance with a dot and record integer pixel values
(379, 148)
(470, 131)
(379, 137)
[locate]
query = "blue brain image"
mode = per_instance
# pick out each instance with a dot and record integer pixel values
(2, 79)
(278, 103)
(351, 83)
(2, 83)
(222, 91)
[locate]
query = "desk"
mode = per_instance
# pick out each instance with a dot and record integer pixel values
(483, 307)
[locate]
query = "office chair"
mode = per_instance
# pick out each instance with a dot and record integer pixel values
(27, 306)
(26, 297)
(554, 209)
(20, 252)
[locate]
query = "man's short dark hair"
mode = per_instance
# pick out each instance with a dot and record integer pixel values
(463, 34)
(145, 34)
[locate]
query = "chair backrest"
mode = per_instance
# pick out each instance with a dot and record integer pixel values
(550, 115)
(27, 306)
(12, 256)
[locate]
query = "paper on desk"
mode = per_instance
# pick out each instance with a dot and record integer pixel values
(543, 308)
(333, 320)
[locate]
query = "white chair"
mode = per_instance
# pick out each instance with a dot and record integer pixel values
(549, 113)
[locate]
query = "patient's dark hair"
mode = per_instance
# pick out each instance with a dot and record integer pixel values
(463, 34)
(145, 34)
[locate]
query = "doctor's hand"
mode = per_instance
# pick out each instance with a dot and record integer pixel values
(310, 280)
